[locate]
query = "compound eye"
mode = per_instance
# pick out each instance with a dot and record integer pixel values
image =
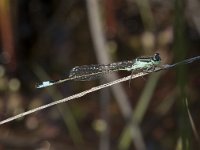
(157, 57)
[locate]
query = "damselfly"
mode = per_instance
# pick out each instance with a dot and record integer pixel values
(92, 72)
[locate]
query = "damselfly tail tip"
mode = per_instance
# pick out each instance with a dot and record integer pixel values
(44, 84)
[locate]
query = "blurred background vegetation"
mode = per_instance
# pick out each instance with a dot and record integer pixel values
(44, 39)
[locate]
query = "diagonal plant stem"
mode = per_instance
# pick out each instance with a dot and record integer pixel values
(194, 129)
(140, 110)
(64, 110)
(78, 95)
(138, 114)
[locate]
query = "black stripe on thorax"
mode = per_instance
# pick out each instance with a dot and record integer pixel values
(144, 59)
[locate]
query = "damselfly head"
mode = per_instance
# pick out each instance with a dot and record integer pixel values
(156, 57)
